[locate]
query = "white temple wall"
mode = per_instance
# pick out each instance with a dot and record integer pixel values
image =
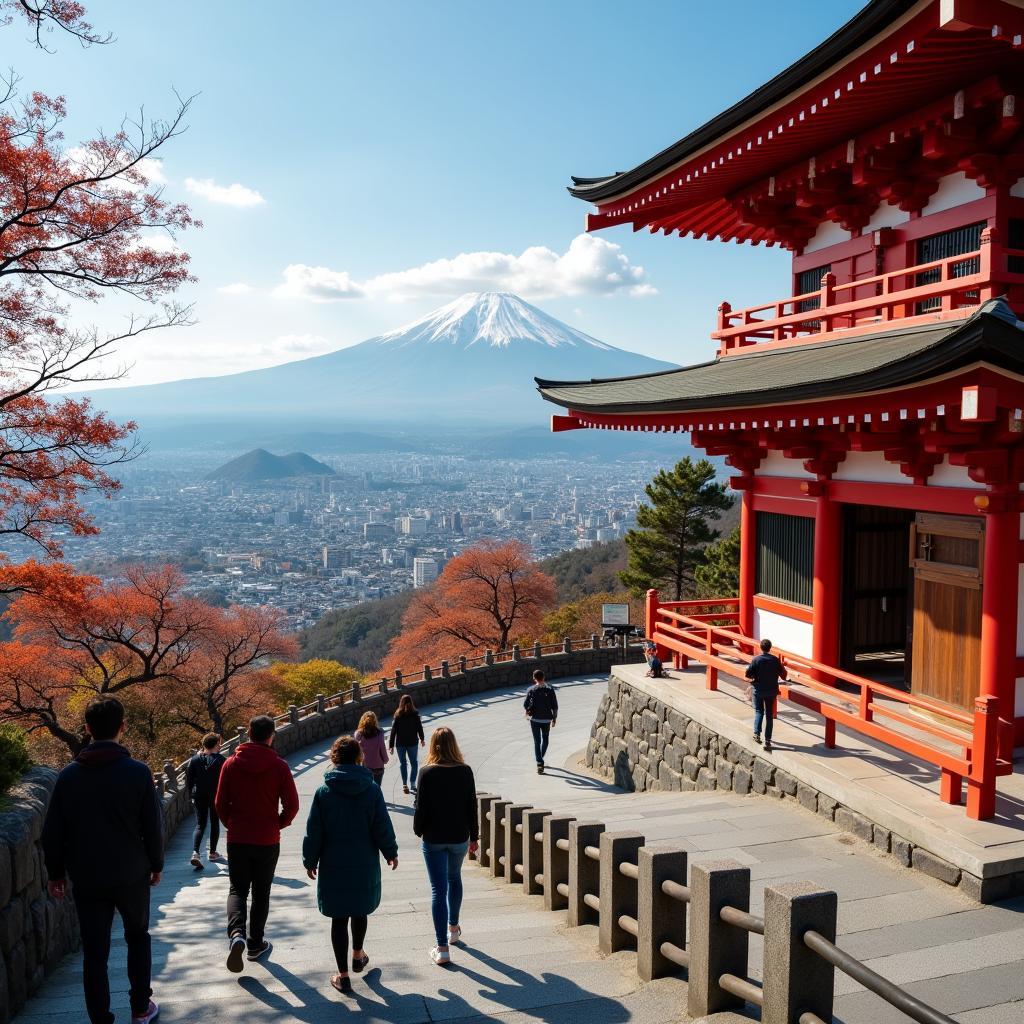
(789, 634)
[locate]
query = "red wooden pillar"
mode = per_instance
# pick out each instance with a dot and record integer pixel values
(999, 613)
(748, 561)
(827, 579)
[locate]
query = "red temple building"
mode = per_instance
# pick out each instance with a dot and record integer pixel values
(873, 418)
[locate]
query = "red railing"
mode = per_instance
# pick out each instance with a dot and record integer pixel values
(707, 632)
(873, 303)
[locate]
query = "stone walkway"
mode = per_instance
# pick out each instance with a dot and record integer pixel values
(520, 964)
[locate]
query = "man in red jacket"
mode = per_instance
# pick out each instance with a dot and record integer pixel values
(256, 798)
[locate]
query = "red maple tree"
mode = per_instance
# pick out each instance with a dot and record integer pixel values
(488, 597)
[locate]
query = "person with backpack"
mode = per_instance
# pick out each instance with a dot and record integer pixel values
(104, 831)
(445, 819)
(347, 832)
(541, 706)
(370, 738)
(655, 668)
(256, 798)
(406, 730)
(764, 673)
(201, 777)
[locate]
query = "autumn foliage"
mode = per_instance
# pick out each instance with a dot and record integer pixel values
(181, 666)
(488, 597)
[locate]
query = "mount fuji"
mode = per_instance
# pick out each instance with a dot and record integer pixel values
(470, 362)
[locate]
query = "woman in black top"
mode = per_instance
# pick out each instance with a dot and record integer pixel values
(406, 728)
(445, 820)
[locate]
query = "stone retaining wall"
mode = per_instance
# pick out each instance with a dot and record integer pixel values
(37, 931)
(642, 744)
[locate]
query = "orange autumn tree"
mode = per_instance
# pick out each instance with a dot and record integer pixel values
(488, 597)
(176, 661)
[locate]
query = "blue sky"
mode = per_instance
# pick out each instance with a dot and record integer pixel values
(371, 139)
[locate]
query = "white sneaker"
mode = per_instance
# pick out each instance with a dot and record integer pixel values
(440, 956)
(454, 933)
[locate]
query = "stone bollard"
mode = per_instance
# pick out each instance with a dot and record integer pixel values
(445, 670)
(462, 663)
(488, 657)
(618, 893)
(584, 873)
(426, 674)
(357, 694)
(797, 980)
(660, 918)
(595, 643)
(516, 653)
(293, 714)
(382, 687)
(514, 842)
(556, 861)
(243, 735)
(170, 775)
(533, 852)
(399, 683)
(158, 782)
(716, 948)
(321, 704)
(484, 802)
(537, 652)
(497, 864)
(567, 645)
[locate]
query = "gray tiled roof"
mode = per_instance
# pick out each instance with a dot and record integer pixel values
(814, 370)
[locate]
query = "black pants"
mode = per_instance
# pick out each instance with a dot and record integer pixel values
(339, 937)
(204, 809)
(250, 868)
(95, 919)
(541, 734)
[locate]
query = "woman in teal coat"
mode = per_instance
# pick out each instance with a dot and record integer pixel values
(347, 831)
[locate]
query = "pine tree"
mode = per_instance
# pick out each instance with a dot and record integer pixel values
(719, 574)
(673, 531)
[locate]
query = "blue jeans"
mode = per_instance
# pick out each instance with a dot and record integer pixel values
(409, 771)
(444, 869)
(764, 711)
(541, 734)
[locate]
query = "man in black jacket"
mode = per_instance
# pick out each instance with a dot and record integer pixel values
(201, 777)
(104, 831)
(764, 673)
(542, 710)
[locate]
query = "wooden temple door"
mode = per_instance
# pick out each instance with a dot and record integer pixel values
(947, 554)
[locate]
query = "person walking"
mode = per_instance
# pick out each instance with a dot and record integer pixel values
(347, 832)
(370, 738)
(541, 706)
(445, 819)
(104, 831)
(406, 731)
(201, 777)
(256, 798)
(764, 673)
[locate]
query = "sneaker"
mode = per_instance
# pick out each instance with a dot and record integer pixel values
(757, 737)
(235, 953)
(196, 862)
(359, 964)
(341, 983)
(261, 951)
(540, 769)
(405, 789)
(767, 747)
(152, 1012)
(214, 855)
(440, 956)
(454, 933)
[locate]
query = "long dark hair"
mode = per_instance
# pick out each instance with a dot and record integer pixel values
(405, 706)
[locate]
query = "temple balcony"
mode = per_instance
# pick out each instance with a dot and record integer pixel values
(925, 293)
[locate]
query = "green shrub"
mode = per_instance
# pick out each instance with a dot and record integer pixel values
(14, 759)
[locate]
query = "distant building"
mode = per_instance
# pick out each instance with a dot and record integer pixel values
(413, 526)
(377, 531)
(424, 572)
(336, 558)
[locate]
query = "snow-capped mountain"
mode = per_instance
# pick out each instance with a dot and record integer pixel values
(471, 361)
(497, 319)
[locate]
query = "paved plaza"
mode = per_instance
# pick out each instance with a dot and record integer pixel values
(520, 963)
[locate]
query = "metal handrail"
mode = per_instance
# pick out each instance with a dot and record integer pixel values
(741, 919)
(629, 870)
(676, 890)
(873, 982)
(742, 988)
(592, 852)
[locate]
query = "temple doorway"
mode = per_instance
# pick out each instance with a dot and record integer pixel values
(876, 627)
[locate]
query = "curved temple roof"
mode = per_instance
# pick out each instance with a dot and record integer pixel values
(804, 372)
(860, 29)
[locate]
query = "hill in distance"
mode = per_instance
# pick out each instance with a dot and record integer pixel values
(471, 362)
(259, 464)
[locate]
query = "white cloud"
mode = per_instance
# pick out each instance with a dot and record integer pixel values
(317, 284)
(235, 288)
(590, 266)
(158, 241)
(294, 346)
(229, 195)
